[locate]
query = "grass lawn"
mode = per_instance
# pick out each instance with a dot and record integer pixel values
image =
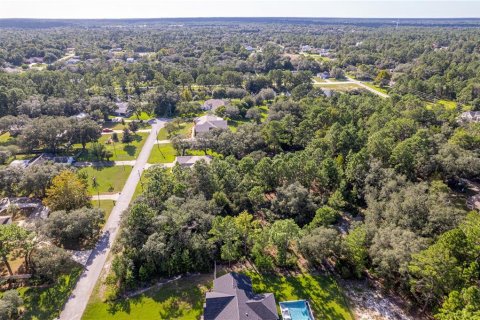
(120, 126)
(6, 139)
(338, 87)
(185, 131)
(374, 87)
(181, 299)
(143, 116)
(201, 153)
(184, 298)
(162, 153)
(46, 303)
(109, 179)
(105, 205)
(121, 151)
(323, 293)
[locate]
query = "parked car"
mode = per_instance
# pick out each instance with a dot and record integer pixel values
(107, 130)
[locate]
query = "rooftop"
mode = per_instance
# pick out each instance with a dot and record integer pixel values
(232, 298)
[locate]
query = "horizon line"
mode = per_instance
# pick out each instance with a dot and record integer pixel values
(250, 17)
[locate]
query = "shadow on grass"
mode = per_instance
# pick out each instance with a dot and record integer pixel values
(46, 303)
(181, 298)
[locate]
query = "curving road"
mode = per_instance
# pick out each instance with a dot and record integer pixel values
(77, 302)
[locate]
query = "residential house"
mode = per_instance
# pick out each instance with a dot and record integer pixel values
(130, 60)
(73, 61)
(232, 298)
(122, 109)
(324, 75)
(213, 104)
(470, 116)
(189, 161)
(208, 122)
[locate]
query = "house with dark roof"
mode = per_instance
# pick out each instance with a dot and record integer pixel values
(232, 298)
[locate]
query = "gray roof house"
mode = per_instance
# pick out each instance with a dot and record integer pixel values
(122, 109)
(232, 298)
(213, 104)
(470, 116)
(207, 123)
(189, 161)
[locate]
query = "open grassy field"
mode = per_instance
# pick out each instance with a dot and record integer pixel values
(121, 151)
(121, 126)
(184, 298)
(109, 179)
(45, 303)
(162, 153)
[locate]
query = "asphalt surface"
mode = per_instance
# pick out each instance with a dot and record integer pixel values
(77, 302)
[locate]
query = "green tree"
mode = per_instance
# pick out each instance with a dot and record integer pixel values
(67, 192)
(282, 234)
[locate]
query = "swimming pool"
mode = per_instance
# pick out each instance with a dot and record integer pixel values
(296, 310)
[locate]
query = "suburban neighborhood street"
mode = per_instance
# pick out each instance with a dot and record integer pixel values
(78, 300)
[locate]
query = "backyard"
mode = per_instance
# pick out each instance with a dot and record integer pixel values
(184, 298)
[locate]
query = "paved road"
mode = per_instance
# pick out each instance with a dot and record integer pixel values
(363, 85)
(78, 300)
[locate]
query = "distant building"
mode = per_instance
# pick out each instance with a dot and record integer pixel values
(130, 60)
(189, 161)
(305, 48)
(20, 163)
(324, 75)
(122, 109)
(206, 123)
(232, 298)
(213, 104)
(249, 48)
(470, 116)
(73, 61)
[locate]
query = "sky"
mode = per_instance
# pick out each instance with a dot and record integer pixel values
(99, 9)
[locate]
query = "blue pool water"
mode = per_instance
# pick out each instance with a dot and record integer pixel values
(298, 310)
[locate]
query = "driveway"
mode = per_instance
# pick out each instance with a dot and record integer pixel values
(78, 300)
(363, 85)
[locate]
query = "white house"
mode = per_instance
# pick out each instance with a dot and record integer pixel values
(470, 116)
(208, 122)
(189, 161)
